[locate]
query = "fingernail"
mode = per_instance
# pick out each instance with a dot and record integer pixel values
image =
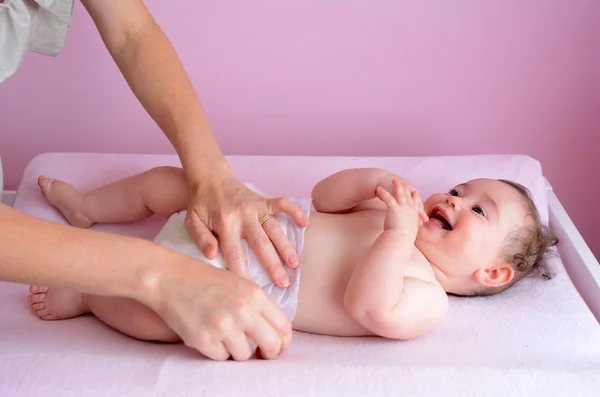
(285, 281)
(293, 260)
(209, 251)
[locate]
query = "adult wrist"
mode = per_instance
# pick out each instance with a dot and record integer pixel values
(150, 278)
(211, 174)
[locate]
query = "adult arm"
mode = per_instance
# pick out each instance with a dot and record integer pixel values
(210, 309)
(219, 202)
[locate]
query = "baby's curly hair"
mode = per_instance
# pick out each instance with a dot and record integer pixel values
(528, 248)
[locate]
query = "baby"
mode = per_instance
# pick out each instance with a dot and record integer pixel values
(375, 260)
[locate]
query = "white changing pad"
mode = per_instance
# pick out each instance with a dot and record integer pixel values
(540, 340)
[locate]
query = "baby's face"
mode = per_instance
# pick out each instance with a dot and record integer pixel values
(468, 225)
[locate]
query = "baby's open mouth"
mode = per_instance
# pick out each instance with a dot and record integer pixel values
(439, 218)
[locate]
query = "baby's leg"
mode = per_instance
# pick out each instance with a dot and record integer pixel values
(131, 318)
(125, 315)
(161, 190)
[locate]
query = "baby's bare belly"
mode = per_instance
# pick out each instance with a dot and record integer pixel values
(333, 245)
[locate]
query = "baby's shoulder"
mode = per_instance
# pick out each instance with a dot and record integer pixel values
(419, 267)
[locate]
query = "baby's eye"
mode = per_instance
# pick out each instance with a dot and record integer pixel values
(453, 192)
(478, 210)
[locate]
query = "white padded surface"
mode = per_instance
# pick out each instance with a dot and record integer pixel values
(538, 338)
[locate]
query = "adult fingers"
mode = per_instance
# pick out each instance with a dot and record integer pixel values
(279, 321)
(270, 328)
(236, 343)
(269, 341)
(277, 236)
(202, 236)
(286, 206)
(259, 238)
(210, 347)
(231, 246)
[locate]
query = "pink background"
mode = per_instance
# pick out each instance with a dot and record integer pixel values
(335, 77)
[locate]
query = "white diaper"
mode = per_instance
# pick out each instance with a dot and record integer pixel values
(175, 237)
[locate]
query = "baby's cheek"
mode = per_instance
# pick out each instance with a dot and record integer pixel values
(473, 242)
(458, 250)
(457, 247)
(431, 201)
(486, 247)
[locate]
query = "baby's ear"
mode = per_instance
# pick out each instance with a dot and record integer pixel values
(497, 275)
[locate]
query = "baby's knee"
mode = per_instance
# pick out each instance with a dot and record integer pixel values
(167, 173)
(165, 190)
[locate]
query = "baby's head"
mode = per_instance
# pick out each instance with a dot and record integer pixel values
(483, 236)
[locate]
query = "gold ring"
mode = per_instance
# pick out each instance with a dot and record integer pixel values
(264, 219)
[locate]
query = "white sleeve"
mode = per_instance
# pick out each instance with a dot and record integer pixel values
(37, 25)
(53, 22)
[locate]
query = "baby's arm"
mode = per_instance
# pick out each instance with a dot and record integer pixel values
(378, 296)
(351, 190)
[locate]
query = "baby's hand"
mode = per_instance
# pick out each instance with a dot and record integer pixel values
(404, 208)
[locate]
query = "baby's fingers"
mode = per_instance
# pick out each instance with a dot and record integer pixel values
(385, 196)
(400, 192)
(419, 206)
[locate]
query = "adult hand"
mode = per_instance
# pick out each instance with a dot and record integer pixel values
(223, 205)
(215, 311)
(212, 310)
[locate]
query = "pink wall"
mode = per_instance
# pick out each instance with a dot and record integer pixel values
(333, 77)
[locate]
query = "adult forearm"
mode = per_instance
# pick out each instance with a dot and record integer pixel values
(155, 74)
(41, 252)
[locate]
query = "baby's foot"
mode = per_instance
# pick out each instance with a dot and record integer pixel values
(66, 199)
(57, 303)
